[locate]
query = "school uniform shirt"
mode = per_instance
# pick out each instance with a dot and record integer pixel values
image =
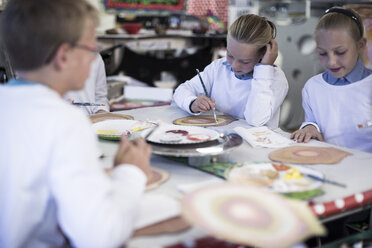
(336, 107)
(95, 89)
(256, 97)
(51, 178)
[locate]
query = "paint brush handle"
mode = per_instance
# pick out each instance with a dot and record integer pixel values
(206, 93)
(325, 180)
(202, 83)
(87, 104)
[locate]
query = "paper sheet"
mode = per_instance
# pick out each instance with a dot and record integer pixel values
(155, 208)
(263, 137)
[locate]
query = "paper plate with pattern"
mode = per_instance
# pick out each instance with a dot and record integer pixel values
(248, 215)
(204, 120)
(308, 155)
(156, 177)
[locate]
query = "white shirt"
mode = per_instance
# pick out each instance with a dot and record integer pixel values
(51, 178)
(95, 89)
(256, 100)
(337, 110)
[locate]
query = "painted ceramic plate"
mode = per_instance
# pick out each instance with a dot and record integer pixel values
(276, 177)
(114, 129)
(176, 134)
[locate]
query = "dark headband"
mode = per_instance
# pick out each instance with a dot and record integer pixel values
(347, 13)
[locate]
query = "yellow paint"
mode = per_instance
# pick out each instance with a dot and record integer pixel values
(137, 129)
(293, 174)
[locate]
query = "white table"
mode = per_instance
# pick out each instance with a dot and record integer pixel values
(354, 170)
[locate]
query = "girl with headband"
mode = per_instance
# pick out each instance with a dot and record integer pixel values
(337, 101)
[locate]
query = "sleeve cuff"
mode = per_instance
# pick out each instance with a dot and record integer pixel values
(304, 124)
(129, 172)
(263, 71)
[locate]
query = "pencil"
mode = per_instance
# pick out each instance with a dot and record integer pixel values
(87, 104)
(206, 93)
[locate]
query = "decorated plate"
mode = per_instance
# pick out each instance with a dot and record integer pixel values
(114, 129)
(204, 120)
(276, 177)
(176, 134)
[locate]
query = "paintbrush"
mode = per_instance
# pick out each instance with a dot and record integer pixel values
(206, 93)
(320, 179)
(367, 124)
(87, 104)
(147, 136)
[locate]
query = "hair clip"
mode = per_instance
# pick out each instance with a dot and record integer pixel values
(347, 13)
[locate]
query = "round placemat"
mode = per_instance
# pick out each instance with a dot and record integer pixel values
(308, 155)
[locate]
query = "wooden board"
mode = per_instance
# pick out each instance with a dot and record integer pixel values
(308, 155)
(172, 225)
(204, 120)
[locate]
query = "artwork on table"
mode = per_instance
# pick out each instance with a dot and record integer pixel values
(143, 5)
(204, 120)
(308, 155)
(156, 177)
(263, 137)
(127, 104)
(109, 116)
(248, 215)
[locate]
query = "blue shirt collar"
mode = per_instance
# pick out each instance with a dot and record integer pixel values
(18, 82)
(358, 73)
(245, 77)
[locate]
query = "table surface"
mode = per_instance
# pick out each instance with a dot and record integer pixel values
(354, 170)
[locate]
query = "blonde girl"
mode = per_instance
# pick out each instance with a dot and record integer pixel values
(340, 99)
(246, 84)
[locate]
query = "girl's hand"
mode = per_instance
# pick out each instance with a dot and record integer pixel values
(271, 53)
(306, 133)
(202, 104)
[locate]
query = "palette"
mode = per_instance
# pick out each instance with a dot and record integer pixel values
(279, 178)
(175, 134)
(204, 120)
(249, 215)
(109, 116)
(114, 129)
(308, 155)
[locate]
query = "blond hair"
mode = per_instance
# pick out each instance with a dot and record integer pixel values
(33, 30)
(342, 18)
(252, 29)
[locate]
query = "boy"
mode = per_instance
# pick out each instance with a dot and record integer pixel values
(51, 182)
